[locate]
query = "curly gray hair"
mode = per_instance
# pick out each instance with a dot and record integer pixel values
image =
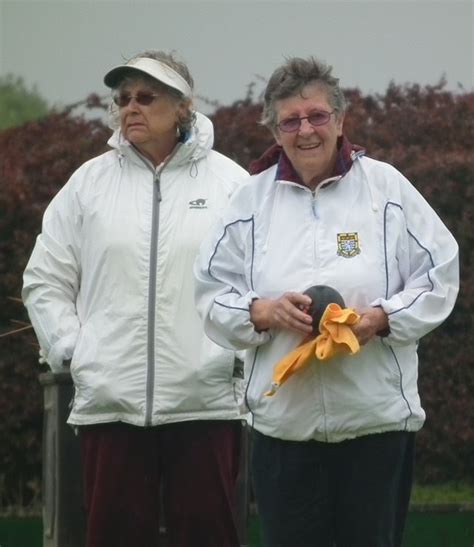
(290, 79)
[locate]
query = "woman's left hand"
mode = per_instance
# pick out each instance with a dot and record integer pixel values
(371, 322)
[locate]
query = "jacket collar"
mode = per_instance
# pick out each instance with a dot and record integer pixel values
(196, 144)
(346, 154)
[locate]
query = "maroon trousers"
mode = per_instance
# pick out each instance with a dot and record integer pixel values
(179, 475)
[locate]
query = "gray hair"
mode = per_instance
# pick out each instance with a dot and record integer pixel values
(289, 80)
(187, 120)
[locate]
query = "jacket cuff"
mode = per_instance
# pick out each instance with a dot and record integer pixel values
(61, 351)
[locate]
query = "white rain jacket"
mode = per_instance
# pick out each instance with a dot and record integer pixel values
(110, 285)
(371, 236)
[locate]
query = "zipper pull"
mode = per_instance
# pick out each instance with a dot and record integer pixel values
(158, 188)
(313, 204)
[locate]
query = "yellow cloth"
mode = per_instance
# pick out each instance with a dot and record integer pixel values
(336, 337)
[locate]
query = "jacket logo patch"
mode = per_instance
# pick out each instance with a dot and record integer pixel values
(199, 203)
(348, 244)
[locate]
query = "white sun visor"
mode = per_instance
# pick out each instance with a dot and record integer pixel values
(156, 69)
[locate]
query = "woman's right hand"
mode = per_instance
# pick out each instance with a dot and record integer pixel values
(290, 311)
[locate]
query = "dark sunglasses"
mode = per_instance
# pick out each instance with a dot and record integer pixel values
(290, 125)
(143, 98)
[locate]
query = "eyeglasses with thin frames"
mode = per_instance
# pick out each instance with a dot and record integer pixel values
(143, 98)
(290, 125)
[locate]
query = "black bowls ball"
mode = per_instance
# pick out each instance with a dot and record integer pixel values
(321, 296)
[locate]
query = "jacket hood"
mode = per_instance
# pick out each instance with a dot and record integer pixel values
(197, 142)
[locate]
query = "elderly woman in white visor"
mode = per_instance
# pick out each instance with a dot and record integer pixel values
(109, 290)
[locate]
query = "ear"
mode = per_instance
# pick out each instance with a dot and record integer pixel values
(276, 135)
(340, 124)
(184, 107)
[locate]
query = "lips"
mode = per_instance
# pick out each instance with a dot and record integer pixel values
(309, 146)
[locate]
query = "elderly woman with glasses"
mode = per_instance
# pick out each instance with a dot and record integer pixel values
(333, 446)
(109, 287)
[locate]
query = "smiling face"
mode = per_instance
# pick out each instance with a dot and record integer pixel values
(151, 128)
(311, 150)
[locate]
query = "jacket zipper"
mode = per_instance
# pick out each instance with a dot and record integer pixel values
(321, 385)
(150, 379)
(155, 220)
(321, 391)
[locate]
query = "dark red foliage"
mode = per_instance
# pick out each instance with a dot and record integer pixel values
(426, 132)
(36, 159)
(238, 134)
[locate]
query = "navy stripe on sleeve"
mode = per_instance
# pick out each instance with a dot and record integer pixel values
(390, 203)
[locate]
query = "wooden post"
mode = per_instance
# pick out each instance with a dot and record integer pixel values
(64, 521)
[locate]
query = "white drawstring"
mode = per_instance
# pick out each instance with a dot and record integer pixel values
(373, 204)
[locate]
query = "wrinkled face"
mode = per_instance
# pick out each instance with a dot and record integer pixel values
(149, 127)
(311, 150)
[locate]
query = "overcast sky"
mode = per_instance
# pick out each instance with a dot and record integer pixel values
(64, 47)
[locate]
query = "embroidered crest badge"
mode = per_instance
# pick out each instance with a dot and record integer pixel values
(348, 244)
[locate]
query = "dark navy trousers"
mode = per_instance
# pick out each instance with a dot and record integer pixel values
(349, 494)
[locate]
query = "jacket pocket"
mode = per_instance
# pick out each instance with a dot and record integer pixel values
(216, 364)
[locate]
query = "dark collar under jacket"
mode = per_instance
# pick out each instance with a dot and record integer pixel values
(346, 153)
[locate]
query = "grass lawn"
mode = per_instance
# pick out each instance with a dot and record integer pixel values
(443, 494)
(434, 519)
(440, 516)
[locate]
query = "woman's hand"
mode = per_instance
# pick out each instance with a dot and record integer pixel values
(290, 311)
(371, 322)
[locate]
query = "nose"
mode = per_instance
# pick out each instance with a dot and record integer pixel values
(132, 106)
(305, 128)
